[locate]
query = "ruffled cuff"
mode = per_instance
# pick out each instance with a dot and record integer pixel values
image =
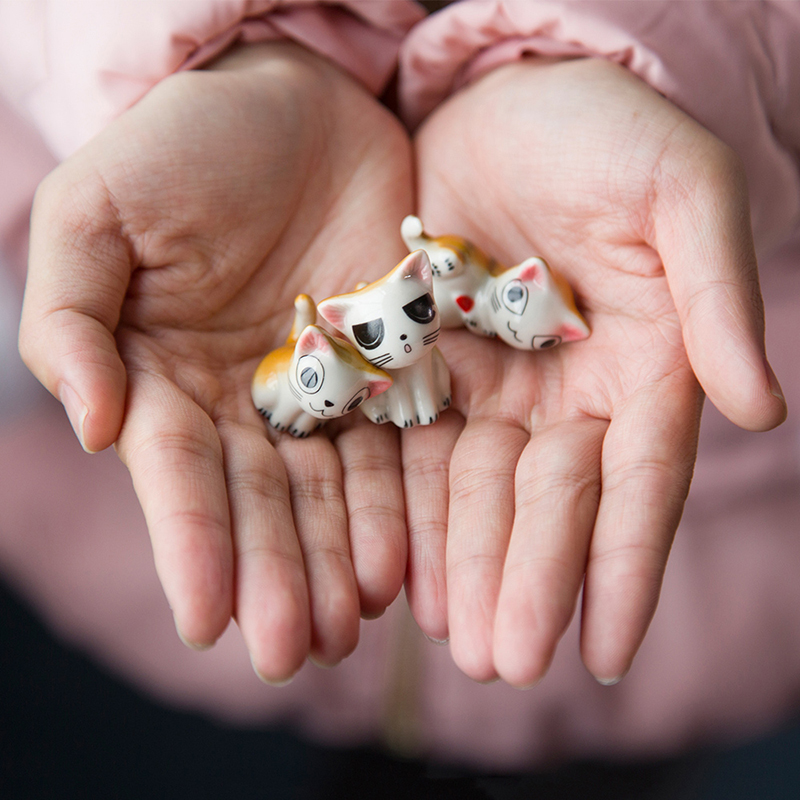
(733, 67)
(71, 67)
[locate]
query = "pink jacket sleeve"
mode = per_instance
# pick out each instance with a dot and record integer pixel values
(734, 67)
(71, 67)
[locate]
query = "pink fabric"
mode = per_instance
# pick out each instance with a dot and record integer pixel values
(71, 66)
(722, 658)
(734, 67)
(24, 161)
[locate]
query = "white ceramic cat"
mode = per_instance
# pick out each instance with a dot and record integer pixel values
(313, 377)
(530, 306)
(394, 323)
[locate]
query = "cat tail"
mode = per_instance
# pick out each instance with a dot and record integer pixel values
(305, 314)
(413, 233)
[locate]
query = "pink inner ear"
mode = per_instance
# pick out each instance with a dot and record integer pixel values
(417, 265)
(312, 339)
(571, 333)
(378, 386)
(533, 272)
(332, 312)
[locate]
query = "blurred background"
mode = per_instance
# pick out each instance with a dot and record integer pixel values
(70, 730)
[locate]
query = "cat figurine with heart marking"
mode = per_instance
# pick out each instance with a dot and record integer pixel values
(314, 377)
(529, 306)
(394, 323)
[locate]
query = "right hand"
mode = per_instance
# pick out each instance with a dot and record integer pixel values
(165, 257)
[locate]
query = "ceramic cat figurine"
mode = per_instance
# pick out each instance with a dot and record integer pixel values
(529, 306)
(394, 323)
(313, 377)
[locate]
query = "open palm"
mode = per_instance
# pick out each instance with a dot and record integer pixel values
(574, 464)
(165, 259)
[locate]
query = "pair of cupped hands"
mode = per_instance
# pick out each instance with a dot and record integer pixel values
(165, 257)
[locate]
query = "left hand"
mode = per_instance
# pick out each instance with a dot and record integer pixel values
(574, 464)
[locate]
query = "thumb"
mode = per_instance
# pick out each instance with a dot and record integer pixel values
(701, 219)
(79, 267)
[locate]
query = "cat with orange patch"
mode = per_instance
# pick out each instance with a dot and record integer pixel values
(314, 377)
(529, 306)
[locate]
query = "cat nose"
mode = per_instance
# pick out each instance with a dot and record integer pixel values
(328, 404)
(403, 337)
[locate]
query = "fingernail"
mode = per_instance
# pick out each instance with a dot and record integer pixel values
(322, 665)
(610, 681)
(528, 686)
(437, 641)
(200, 648)
(76, 411)
(774, 385)
(269, 681)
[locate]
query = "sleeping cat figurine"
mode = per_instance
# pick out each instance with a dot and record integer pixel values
(313, 377)
(529, 306)
(394, 324)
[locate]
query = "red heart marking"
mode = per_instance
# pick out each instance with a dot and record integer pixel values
(465, 303)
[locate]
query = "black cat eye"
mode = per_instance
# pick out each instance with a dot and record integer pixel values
(545, 342)
(421, 310)
(357, 400)
(369, 334)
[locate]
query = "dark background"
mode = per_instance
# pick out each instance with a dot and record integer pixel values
(68, 730)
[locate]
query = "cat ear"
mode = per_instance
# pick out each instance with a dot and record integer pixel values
(574, 329)
(417, 265)
(312, 340)
(534, 270)
(334, 310)
(379, 385)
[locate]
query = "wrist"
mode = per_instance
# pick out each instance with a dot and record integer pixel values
(244, 56)
(303, 72)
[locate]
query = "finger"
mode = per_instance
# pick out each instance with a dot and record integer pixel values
(426, 476)
(481, 517)
(77, 278)
(315, 484)
(647, 461)
(557, 492)
(703, 234)
(370, 457)
(173, 453)
(271, 606)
